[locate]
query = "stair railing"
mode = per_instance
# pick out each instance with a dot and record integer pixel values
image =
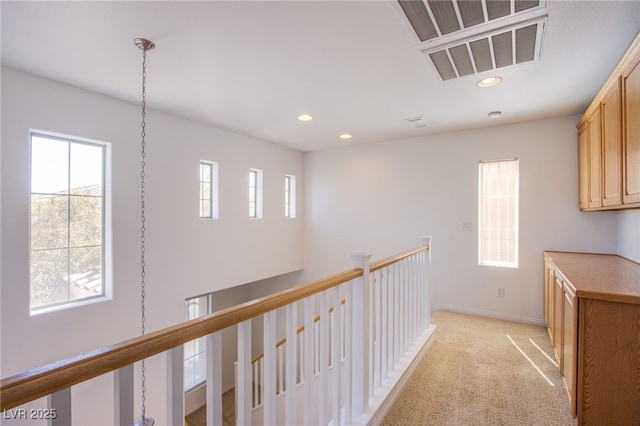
(385, 317)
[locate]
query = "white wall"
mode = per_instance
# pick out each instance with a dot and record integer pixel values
(381, 198)
(629, 234)
(186, 256)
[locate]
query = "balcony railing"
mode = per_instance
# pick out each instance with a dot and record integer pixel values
(362, 330)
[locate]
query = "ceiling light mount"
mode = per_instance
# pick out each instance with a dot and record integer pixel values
(305, 117)
(495, 114)
(144, 44)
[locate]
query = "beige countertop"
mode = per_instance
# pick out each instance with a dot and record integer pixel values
(600, 276)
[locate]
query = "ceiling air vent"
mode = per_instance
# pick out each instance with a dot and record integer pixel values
(465, 37)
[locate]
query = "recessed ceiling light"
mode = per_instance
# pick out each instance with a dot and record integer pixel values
(305, 117)
(489, 81)
(495, 114)
(346, 136)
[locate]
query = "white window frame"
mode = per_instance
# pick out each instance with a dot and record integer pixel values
(255, 193)
(105, 290)
(290, 196)
(195, 351)
(498, 242)
(211, 193)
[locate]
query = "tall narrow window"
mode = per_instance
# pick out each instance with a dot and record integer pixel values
(195, 351)
(208, 190)
(67, 221)
(290, 196)
(498, 213)
(255, 193)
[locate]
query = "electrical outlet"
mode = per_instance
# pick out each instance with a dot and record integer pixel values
(500, 292)
(466, 226)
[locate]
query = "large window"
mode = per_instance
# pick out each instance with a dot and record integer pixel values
(195, 361)
(67, 221)
(498, 213)
(255, 193)
(290, 196)
(208, 190)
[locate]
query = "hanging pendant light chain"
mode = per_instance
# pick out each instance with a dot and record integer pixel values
(144, 45)
(142, 217)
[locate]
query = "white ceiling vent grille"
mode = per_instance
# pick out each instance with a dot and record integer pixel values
(464, 37)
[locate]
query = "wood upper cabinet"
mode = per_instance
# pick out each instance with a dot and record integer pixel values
(631, 112)
(609, 140)
(594, 124)
(583, 166)
(612, 147)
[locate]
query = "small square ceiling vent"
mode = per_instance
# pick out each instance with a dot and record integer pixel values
(465, 37)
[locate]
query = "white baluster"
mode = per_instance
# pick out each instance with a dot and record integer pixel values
(336, 355)
(291, 313)
(280, 360)
(323, 361)
(60, 404)
(269, 368)
(214, 378)
(309, 363)
(123, 395)
(384, 322)
(377, 311)
(243, 385)
(347, 384)
(175, 385)
(397, 320)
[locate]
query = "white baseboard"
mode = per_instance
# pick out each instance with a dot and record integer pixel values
(488, 314)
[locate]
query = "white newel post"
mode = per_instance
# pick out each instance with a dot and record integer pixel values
(361, 335)
(427, 285)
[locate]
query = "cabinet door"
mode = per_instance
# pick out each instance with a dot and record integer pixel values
(612, 148)
(558, 304)
(569, 346)
(595, 159)
(583, 167)
(631, 151)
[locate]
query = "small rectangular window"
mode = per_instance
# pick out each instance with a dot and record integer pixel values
(498, 213)
(67, 221)
(255, 193)
(290, 196)
(208, 190)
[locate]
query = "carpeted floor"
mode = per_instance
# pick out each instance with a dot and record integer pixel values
(478, 371)
(482, 371)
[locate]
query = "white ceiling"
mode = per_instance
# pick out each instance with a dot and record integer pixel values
(253, 66)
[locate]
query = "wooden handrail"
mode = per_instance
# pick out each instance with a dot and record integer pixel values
(383, 263)
(45, 380)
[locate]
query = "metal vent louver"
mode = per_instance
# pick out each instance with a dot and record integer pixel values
(465, 37)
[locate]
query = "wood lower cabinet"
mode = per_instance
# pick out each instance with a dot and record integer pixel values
(597, 338)
(569, 344)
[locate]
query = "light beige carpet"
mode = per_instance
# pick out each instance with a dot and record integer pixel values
(482, 371)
